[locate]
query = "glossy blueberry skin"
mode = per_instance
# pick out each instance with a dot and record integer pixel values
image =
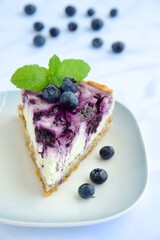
(70, 11)
(38, 26)
(98, 176)
(51, 93)
(54, 32)
(97, 42)
(30, 9)
(106, 152)
(90, 12)
(118, 47)
(86, 190)
(39, 41)
(113, 12)
(96, 24)
(69, 100)
(69, 85)
(72, 26)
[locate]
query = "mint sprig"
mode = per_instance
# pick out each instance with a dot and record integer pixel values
(36, 78)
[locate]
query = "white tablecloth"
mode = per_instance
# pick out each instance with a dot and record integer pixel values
(134, 74)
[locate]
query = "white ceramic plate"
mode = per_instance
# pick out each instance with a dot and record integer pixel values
(22, 201)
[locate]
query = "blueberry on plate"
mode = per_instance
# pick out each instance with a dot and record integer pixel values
(69, 84)
(69, 100)
(70, 11)
(106, 152)
(54, 32)
(97, 42)
(38, 26)
(30, 9)
(51, 93)
(118, 47)
(98, 176)
(86, 190)
(72, 26)
(39, 41)
(96, 24)
(113, 12)
(90, 12)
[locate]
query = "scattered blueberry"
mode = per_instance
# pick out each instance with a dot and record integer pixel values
(69, 100)
(96, 24)
(30, 9)
(118, 47)
(72, 26)
(98, 176)
(39, 41)
(38, 26)
(113, 12)
(97, 42)
(54, 32)
(106, 152)
(69, 85)
(86, 190)
(51, 93)
(70, 11)
(90, 12)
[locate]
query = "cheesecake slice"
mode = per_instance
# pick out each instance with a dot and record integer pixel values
(58, 138)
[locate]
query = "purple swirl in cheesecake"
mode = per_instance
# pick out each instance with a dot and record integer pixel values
(53, 124)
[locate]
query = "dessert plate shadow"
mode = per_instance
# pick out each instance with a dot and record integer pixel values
(22, 201)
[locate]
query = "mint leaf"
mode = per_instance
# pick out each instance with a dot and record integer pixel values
(54, 64)
(74, 68)
(57, 80)
(30, 77)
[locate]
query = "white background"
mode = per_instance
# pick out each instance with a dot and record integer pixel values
(134, 74)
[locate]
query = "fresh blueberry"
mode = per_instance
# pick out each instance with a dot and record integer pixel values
(38, 26)
(39, 41)
(70, 11)
(51, 93)
(54, 32)
(96, 24)
(106, 152)
(30, 9)
(98, 176)
(97, 42)
(69, 100)
(72, 26)
(118, 47)
(113, 12)
(69, 85)
(86, 190)
(90, 12)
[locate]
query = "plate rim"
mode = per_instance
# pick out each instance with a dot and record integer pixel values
(88, 222)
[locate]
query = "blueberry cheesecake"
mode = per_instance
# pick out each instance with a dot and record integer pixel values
(63, 116)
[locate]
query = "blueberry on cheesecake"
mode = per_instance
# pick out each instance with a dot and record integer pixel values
(63, 116)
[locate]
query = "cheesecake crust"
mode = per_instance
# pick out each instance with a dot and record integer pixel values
(100, 86)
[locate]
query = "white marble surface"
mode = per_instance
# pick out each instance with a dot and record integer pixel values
(134, 74)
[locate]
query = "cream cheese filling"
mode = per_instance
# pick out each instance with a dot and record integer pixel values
(53, 165)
